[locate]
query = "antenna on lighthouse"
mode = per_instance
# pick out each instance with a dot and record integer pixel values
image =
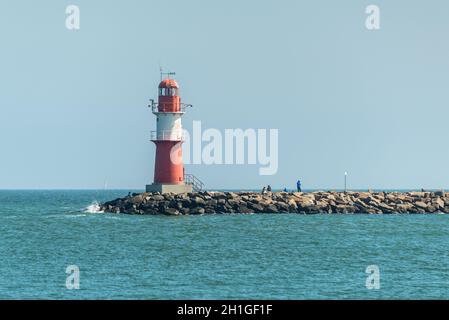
(168, 74)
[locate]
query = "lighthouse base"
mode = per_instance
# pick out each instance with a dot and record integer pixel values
(169, 188)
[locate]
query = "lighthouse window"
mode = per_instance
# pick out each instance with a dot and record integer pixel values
(168, 92)
(172, 92)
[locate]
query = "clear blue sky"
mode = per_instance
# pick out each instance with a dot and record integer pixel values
(374, 103)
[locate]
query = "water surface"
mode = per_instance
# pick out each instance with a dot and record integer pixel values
(214, 256)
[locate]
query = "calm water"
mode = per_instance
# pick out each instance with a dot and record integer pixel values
(211, 257)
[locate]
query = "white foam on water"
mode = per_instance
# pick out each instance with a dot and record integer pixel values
(94, 207)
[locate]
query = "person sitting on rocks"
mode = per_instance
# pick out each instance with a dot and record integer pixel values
(269, 188)
(285, 190)
(264, 190)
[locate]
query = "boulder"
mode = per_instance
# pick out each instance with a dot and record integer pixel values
(233, 203)
(404, 207)
(292, 206)
(197, 210)
(186, 203)
(198, 201)
(271, 208)
(439, 203)
(219, 195)
(244, 209)
(420, 205)
(185, 211)
(385, 208)
(231, 195)
(171, 212)
(256, 207)
(283, 207)
(157, 197)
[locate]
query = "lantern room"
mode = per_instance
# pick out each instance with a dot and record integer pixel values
(169, 100)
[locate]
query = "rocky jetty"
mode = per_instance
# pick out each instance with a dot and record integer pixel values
(326, 202)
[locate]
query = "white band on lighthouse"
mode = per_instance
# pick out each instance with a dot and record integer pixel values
(169, 126)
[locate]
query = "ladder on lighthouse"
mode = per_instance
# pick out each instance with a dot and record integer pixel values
(197, 184)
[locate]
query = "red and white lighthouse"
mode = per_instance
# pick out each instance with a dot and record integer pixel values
(168, 138)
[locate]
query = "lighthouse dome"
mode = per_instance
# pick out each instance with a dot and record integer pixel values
(168, 83)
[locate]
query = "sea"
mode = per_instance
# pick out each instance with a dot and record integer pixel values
(57, 245)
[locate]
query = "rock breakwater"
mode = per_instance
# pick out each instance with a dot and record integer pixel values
(327, 202)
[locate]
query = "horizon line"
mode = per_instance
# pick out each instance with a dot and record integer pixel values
(230, 189)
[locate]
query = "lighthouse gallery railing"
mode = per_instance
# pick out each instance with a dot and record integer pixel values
(167, 135)
(155, 108)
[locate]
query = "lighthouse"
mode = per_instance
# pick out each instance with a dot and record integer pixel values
(169, 175)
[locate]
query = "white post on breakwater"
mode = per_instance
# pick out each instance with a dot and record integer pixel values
(346, 175)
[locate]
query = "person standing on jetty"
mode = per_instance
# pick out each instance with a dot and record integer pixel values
(298, 185)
